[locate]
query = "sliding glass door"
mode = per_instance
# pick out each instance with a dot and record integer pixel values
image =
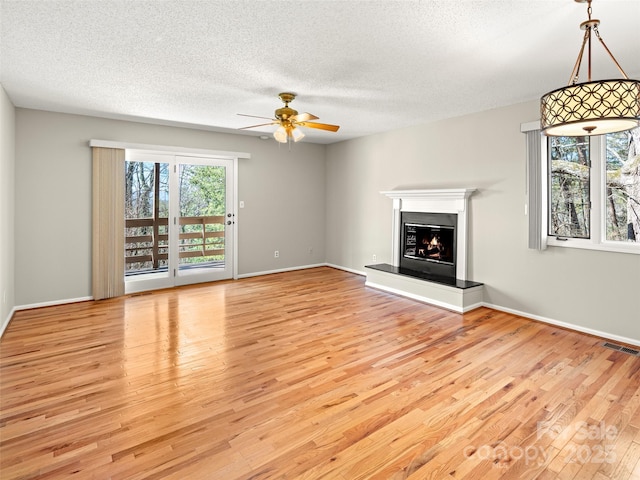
(179, 220)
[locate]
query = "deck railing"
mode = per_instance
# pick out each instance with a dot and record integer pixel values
(203, 237)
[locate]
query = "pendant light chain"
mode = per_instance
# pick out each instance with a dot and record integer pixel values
(595, 29)
(575, 73)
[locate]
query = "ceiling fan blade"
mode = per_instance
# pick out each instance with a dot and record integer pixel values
(303, 117)
(321, 126)
(261, 125)
(254, 116)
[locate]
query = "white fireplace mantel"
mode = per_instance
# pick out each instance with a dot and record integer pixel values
(451, 200)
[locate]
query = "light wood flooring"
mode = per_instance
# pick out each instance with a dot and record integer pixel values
(308, 375)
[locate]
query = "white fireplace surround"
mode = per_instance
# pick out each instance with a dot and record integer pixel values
(452, 200)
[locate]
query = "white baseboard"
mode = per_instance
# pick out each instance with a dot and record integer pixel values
(52, 303)
(280, 270)
(350, 270)
(569, 326)
(5, 322)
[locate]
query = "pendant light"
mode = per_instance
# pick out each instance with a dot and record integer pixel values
(592, 107)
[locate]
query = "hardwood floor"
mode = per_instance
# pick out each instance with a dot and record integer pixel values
(308, 375)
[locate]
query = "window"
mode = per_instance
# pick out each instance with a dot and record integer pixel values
(569, 187)
(593, 191)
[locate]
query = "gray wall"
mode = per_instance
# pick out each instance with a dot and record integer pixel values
(326, 198)
(592, 290)
(7, 245)
(283, 191)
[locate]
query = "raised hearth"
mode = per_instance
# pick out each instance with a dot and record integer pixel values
(452, 294)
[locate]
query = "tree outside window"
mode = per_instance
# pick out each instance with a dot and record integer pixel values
(571, 189)
(623, 186)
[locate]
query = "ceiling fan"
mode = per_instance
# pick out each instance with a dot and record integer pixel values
(289, 119)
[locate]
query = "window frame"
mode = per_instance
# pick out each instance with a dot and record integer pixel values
(597, 214)
(598, 161)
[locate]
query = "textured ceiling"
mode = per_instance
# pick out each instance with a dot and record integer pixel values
(368, 66)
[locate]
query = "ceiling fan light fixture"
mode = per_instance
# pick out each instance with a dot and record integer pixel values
(289, 121)
(281, 134)
(296, 134)
(592, 107)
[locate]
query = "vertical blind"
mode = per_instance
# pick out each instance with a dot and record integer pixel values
(108, 222)
(536, 191)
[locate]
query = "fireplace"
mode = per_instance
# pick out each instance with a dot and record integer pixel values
(447, 208)
(428, 243)
(429, 249)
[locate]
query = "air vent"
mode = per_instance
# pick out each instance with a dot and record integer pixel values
(620, 348)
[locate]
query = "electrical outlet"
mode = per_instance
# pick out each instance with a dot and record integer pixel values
(276, 254)
(375, 257)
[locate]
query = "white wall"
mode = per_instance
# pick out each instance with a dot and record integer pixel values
(283, 191)
(591, 290)
(7, 245)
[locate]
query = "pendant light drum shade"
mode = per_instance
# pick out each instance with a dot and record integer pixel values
(591, 108)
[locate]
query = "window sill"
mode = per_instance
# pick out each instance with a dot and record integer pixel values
(617, 247)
